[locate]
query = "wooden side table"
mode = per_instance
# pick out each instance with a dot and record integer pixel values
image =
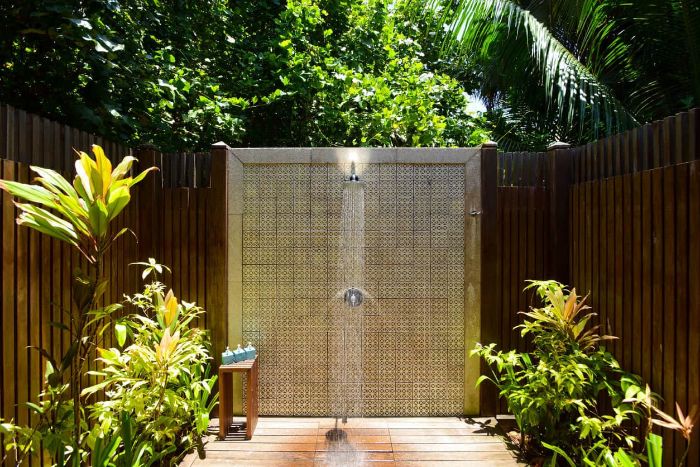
(250, 368)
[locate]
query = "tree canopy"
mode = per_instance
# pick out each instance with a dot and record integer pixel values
(183, 74)
(575, 70)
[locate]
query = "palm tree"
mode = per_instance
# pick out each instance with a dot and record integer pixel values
(577, 68)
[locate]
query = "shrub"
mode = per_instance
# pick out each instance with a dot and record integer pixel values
(555, 391)
(79, 214)
(159, 386)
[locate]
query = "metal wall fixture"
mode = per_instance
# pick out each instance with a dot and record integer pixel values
(353, 297)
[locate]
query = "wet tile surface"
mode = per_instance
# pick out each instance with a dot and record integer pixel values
(419, 441)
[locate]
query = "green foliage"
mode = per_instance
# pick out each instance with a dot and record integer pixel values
(183, 75)
(158, 388)
(554, 391)
(372, 87)
(80, 215)
(571, 70)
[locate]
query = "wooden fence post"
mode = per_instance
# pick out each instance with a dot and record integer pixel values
(489, 266)
(558, 182)
(216, 249)
(146, 198)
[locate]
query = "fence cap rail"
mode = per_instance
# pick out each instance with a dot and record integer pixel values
(558, 145)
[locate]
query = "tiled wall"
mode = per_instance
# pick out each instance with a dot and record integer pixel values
(406, 340)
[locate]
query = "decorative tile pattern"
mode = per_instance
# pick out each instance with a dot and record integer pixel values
(402, 351)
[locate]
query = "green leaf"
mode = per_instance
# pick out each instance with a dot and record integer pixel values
(123, 167)
(53, 181)
(118, 199)
(560, 452)
(655, 450)
(99, 218)
(623, 460)
(142, 175)
(26, 192)
(481, 379)
(120, 332)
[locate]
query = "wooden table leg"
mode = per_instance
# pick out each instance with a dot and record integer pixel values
(252, 401)
(255, 397)
(225, 403)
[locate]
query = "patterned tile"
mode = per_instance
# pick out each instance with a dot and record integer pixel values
(402, 351)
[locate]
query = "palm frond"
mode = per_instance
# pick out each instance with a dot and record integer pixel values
(570, 88)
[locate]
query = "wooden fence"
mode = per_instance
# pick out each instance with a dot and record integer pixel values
(632, 217)
(619, 218)
(175, 213)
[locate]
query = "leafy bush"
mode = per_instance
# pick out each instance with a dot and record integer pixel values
(554, 392)
(158, 387)
(78, 214)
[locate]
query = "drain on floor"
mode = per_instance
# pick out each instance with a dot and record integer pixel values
(336, 435)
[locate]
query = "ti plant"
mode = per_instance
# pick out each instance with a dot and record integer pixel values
(555, 391)
(80, 215)
(158, 378)
(563, 318)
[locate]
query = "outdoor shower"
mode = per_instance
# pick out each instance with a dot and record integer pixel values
(353, 238)
(348, 401)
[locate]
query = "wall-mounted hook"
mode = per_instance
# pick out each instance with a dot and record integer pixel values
(474, 213)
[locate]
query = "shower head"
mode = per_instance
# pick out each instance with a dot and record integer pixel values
(353, 174)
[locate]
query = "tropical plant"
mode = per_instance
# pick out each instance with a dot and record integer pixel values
(80, 215)
(158, 387)
(583, 67)
(554, 391)
(683, 424)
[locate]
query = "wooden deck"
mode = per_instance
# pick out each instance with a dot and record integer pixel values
(370, 441)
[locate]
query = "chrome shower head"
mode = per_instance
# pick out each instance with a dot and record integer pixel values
(353, 174)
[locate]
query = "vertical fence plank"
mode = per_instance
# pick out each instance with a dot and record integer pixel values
(636, 274)
(594, 278)
(619, 272)
(669, 268)
(506, 269)
(8, 297)
(36, 325)
(694, 303)
(647, 276)
(22, 311)
(515, 288)
(627, 312)
(680, 339)
(600, 257)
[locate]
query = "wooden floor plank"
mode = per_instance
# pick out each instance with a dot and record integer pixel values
(269, 456)
(435, 439)
(257, 447)
(364, 447)
(286, 432)
(441, 447)
(438, 432)
(360, 438)
(370, 441)
(455, 456)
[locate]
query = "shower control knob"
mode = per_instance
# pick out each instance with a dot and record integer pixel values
(353, 297)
